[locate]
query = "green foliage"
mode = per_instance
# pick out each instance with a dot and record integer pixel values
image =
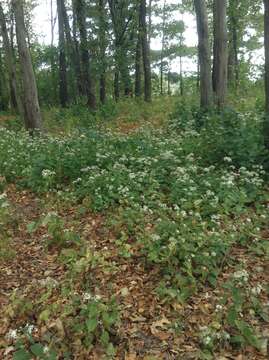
(222, 134)
(58, 234)
(178, 198)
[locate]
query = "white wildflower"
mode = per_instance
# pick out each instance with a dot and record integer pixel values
(48, 173)
(12, 334)
(241, 275)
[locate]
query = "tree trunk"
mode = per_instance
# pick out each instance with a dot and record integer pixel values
(121, 17)
(3, 93)
(220, 64)
(145, 51)
(14, 96)
(163, 45)
(122, 60)
(53, 65)
(116, 85)
(169, 82)
(74, 57)
(102, 42)
(181, 76)
(204, 54)
(81, 88)
(233, 61)
(85, 57)
(32, 114)
(150, 23)
(63, 90)
(266, 47)
(138, 75)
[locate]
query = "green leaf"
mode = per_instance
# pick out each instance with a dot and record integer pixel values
(110, 350)
(105, 338)
(22, 355)
(232, 316)
(32, 226)
(248, 333)
(37, 349)
(44, 316)
(91, 324)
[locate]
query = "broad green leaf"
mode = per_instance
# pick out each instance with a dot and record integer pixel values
(91, 324)
(22, 355)
(37, 349)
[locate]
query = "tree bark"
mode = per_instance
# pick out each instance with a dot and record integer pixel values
(32, 114)
(145, 51)
(72, 54)
(63, 90)
(163, 45)
(121, 18)
(220, 63)
(116, 85)
(266, 47)
(4, 99)
(138, 75)
(233, 61)
(77, 55)
(102, 51)
(181, 76)
(204, 54)
(85, 57)
(14, 96)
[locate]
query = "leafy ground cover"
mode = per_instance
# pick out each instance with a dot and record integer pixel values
(140, 241)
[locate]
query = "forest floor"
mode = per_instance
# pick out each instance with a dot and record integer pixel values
(151, 327)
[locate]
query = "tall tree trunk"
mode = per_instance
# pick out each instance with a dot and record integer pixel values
(81, 88)
(266, 47)
(181, 76)
(169, 82)
(181, 64)
(122, 60)
(121, 17)
(85, 57)
(53, 66)
(116, 84)
(138, 75)
(102, 42)
(233, 61)
(14, 96)
(150, 23)
(72, 53)
(145, 51)
(220, 64)
(163, 44)
(63, 90)
(32, 114)
(204, 54)
(4, 99)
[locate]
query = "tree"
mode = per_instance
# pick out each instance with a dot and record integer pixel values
(145, 51)
(14, 95)
(138, 69)
(63, 91)
(164, 20)
(122, 15)
(102, 28)
(204, 54)
(220, 62)
(233, 38)
(80, 10)
(32, 114)
(266, 47)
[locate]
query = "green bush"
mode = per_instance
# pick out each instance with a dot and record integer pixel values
(217, 135)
